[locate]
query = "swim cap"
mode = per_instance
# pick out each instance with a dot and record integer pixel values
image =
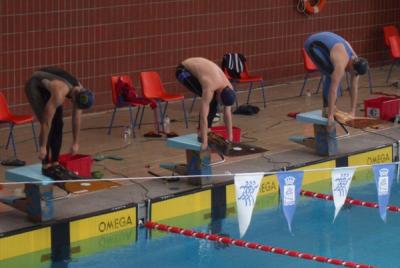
(228, 96)
(360, 65)
(182, 75)
(84, 98)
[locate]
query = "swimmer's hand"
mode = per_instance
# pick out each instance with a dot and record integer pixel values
(331, 124)
(204, 146)
(42, 152)
(74, 148)
(352, 115)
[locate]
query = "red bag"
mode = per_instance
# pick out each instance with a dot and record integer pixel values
(125, 91)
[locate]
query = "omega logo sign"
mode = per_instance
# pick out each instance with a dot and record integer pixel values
(380, 158)
(268, 187)
(114, 224)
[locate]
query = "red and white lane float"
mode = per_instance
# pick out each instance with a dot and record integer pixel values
(349, 200)
(251, 245)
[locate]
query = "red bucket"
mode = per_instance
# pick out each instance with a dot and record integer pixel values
(221, 131)
(385, 108)
(80, 164)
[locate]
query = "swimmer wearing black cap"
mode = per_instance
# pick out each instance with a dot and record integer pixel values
(206, 79)
(46, 91)
(333, 56)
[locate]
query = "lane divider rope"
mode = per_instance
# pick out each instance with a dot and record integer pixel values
(251, 245)
(348, 200)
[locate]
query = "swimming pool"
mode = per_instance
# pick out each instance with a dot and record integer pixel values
(358, 235)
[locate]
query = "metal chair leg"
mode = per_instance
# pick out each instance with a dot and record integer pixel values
(11, 138)
(136, 116)
(184, 113)
(390, 72)
(263, 93)
(132, 122)
(165, 110)
(191, 106)
(159, 105)
(141, 116)
(370, 81)
(130, 115)
(248, 94)
(304, 84)
(112, 120)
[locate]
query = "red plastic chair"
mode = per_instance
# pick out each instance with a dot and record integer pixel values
(152, 88)
(7, 117)
(140, 102)
(388, 31)
(245, 77)
(394, 45)
(310, 68)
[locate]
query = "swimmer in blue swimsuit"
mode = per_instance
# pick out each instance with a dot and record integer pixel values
(333, 56)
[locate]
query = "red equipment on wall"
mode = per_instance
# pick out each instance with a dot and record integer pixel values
(310, 7)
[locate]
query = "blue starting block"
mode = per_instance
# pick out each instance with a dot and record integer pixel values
(313, 117)
(38, 203)
(197, 162)
(324, 142)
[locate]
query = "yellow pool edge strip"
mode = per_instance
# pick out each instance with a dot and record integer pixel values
(181, 205)
(25, 243)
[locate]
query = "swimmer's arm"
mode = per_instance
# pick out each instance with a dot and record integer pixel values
(76, 124)
(336, 77)
(204, 110)
(354, 93)
(228, 121)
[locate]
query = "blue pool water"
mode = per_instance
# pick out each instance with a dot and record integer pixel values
(358, 235)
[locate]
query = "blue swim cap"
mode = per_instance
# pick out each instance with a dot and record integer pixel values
(183, 75)
(360, 65)
(84, 98)
(228, 96)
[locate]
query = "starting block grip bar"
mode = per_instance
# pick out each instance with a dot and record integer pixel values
(313, 117)
(185, 142)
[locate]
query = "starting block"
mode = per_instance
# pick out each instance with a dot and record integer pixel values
(38, 200)
(324, 142)
(197, 161)
(38, 203)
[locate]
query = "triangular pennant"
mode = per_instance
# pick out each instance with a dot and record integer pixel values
(384, 175)
(290, 187)
(341, 180)
(246, 186)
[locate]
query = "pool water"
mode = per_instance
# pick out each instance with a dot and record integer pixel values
(358, 235)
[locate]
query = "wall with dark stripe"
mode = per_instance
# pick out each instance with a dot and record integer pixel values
(97, 38)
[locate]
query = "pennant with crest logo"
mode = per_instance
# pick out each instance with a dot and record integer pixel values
(384, 175)
(341, 180)
(290, 186)
(246, 187)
